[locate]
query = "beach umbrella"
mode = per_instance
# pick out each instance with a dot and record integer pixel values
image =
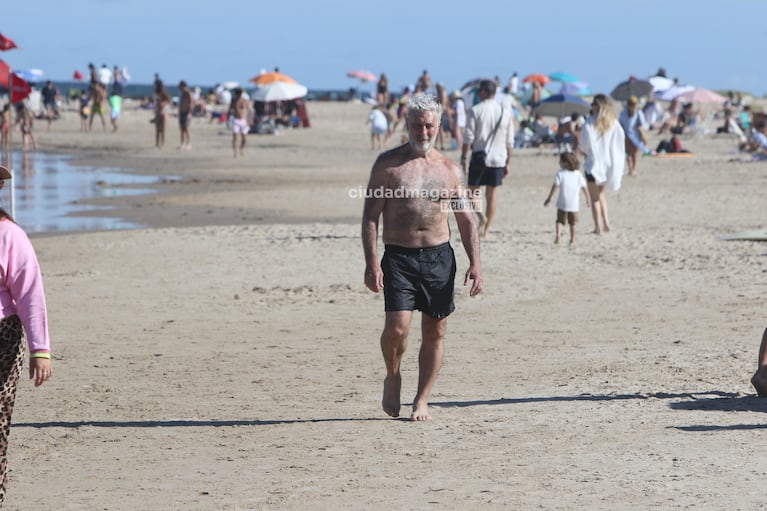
(274, 76)
(561, 105)
(10, 80)
(672, 92)
(279, 91)
(471, 84)
(564, 77)
(30, 75)
(660, 83)
(536, 78)
(575, 88)
(362, 75)
(701, 95)
(632, 87)
(6, 43)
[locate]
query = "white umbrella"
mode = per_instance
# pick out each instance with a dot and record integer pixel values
(660, 83)
(672, 92)
(279, 91)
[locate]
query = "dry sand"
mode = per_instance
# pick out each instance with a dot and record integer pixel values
(227, 358)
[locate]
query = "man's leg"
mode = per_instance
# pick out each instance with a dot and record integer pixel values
(476, 206)
(429, 363)
(393, 346)
(490, 205)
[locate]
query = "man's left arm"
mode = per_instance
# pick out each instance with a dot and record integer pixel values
(464, 217)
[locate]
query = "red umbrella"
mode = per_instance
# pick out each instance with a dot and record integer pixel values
(362, 75)
(536, 77)
(21, 88)
(6, 43)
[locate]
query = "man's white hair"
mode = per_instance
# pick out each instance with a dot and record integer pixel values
(424, 103)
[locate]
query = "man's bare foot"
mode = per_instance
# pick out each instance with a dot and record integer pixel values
(596, 231)
(759, 381)
(391, 393)
(607, 228)
(420, 412)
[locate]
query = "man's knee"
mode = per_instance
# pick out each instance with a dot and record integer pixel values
(397, 326)
(434, 329)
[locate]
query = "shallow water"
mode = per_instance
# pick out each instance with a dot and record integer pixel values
(47, 186)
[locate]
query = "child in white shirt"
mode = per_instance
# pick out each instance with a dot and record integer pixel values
(569, 181)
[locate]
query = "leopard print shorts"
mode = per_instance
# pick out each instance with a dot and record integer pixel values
(11, 357)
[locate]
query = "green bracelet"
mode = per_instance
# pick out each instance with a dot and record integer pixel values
(40, 354)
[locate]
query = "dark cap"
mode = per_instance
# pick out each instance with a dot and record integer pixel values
(4, 173)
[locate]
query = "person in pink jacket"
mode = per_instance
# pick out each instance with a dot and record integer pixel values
(23, 311)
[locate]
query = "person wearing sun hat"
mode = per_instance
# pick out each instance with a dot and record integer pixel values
(24, 314)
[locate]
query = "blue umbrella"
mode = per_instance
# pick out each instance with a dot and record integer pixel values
(29, 75)
(564, 77)
(575, 88)
(561, 105)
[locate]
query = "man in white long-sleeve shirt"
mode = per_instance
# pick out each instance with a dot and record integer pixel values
(489, 135)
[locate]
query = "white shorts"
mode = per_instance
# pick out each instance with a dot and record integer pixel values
(240, 126)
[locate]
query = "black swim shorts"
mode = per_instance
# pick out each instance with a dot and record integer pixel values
(480, 174)
(419, 278)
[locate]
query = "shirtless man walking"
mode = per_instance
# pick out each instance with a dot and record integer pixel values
(414, 187)
(240, 113)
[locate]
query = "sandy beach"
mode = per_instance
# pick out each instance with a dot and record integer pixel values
(227, 356)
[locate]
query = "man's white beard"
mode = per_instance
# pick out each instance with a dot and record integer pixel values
(423, 147)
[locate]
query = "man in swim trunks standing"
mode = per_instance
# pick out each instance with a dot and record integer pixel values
(415, 187)
(185, 104)
(240, 113)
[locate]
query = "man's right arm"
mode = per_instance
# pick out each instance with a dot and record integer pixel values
(371, 214)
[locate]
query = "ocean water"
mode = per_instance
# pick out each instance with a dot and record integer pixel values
(141, 90)
(48, 191)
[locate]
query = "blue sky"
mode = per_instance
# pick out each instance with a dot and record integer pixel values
(717, 44)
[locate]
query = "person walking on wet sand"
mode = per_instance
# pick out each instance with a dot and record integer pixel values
(161, 102)
(413, 187)
(241, 116)
(185, 104)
